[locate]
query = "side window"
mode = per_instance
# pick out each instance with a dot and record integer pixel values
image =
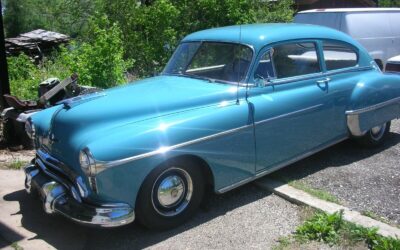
(338, 55)
(295, 59)
(264, 69)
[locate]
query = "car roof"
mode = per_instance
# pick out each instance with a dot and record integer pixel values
(351, 10)
(259, 35)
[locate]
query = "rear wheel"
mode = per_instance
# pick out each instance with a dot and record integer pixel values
(170, 195)
(375, 136)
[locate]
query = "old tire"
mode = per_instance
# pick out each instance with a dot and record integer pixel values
(10, 136)
(170, 195)
(375, 136)
(26, 142)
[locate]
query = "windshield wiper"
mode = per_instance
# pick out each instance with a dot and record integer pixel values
(199, 77)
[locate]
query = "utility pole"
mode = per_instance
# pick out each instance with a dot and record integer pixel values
(4, 83)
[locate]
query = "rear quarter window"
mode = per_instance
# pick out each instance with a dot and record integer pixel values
(339, 55)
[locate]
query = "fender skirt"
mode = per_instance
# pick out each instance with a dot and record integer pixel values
(359, 121)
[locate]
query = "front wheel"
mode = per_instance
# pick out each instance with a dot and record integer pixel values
(170, 195)
(375, 136)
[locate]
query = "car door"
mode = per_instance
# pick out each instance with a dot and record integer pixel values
(293, 110)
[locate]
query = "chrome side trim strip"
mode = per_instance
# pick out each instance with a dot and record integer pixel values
(279, 166)
(348, 70)
(318, 75)
(308, 109)
(373, 107)
(103, 165)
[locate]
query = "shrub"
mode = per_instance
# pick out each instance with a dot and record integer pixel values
(332, 229)
(322, 227)
(24, 77)
(98, 62)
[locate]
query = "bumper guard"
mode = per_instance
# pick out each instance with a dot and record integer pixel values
(56, 200)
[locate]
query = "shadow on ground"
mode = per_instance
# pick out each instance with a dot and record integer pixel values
(64, 234)
(338, 155)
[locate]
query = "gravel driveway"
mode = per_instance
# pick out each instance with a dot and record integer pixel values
(362, 179)
(244, 218)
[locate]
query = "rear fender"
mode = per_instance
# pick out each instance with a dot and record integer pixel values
(374, 101)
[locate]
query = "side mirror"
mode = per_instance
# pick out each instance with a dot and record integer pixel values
(261, 81)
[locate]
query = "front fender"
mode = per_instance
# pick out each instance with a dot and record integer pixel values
(221, 135)
(374, 100)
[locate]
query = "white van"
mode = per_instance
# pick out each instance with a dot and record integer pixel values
(377, 29)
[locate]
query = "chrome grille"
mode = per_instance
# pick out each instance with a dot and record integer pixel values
(55, 169)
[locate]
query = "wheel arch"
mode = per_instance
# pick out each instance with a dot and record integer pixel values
(200, 162)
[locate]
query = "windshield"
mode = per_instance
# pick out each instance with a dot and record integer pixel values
(211, 60)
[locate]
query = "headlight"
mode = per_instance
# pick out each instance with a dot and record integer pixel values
(88, 165)
(87, 162)
(30, 129)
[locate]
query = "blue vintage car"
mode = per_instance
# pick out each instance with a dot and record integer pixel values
(232, 105)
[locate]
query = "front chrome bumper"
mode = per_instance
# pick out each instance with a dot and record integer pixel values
(56, 199)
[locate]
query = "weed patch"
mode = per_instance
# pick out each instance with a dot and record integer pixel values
(321, 194)
(333, 230)
(17, 165)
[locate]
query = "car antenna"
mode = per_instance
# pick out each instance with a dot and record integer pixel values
(238, 81)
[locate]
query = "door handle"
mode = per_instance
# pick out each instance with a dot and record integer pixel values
(324, 81)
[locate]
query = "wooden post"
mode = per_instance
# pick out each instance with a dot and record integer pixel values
(4, 83)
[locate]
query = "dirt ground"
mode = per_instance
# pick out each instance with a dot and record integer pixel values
(10, 156)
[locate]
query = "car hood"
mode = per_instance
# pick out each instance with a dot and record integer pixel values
(79, 120)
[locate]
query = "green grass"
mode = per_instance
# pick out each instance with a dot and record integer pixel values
(319, 193)
(17, 165)
(284, 243)
(16, 246)
(374, 216)
(331, 229)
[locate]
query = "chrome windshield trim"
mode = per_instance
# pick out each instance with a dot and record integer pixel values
(373, 107)
(245, 81)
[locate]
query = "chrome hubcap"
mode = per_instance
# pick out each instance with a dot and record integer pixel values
(378, 131)
(172, 192)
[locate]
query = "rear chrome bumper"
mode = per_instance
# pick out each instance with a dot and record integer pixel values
(57, 200)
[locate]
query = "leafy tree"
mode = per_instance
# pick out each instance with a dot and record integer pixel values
(389, 3)
(152, 30)
(65, 16)
(15, 17)
(98, 62)
(143, 31)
